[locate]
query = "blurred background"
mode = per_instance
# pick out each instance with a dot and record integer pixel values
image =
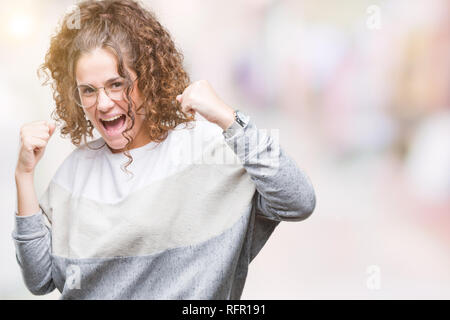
(360, 91)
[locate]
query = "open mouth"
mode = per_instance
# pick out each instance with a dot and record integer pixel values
(114, 127)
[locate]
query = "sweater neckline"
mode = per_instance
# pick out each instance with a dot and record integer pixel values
(136, 152)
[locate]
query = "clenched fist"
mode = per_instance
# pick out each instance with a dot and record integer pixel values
(200, 97)
(34, 137)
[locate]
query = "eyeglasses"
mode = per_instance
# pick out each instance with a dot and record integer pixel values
(86, 95)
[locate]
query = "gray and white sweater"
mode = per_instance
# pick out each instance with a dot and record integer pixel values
(198, 209)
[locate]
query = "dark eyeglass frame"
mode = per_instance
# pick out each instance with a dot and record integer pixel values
(77, 97)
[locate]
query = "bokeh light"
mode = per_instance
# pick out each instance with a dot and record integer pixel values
(20, 25)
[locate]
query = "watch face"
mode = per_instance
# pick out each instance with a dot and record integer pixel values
(241, 118)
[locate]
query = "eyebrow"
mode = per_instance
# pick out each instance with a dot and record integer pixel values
(107, 81)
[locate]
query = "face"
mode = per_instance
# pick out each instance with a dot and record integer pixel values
(98, 68)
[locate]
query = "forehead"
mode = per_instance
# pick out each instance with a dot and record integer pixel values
(96, 67)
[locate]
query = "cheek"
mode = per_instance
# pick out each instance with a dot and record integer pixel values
(90, 116)
(139, 114)
(136, 96)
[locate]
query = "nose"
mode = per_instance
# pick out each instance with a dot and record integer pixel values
(104, 102)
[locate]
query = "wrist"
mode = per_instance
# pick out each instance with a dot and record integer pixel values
(20, 174)
(227, 119)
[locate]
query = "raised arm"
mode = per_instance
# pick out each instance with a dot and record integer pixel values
(32, 238)
(284, 191)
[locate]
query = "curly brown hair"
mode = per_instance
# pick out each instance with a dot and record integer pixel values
(139, 41)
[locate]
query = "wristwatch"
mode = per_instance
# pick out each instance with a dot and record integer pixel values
(240, 118)
(240, 121)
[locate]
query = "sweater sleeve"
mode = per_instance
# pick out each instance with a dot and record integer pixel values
(32, 240)
(284, 191)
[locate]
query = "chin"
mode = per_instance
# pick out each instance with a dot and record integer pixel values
(116, 144)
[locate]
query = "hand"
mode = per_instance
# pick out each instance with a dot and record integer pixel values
(34, 137)
(200, 97)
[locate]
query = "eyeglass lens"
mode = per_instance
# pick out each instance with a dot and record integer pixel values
(86, 95)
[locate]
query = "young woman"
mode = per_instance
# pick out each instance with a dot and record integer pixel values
(194, 203)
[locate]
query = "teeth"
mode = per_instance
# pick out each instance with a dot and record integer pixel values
(113, 118)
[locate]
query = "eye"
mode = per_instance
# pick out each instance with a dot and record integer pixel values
(117, 85)
(86, 90)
